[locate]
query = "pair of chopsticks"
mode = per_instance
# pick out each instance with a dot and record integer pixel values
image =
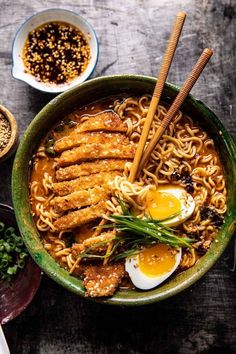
(141, 155)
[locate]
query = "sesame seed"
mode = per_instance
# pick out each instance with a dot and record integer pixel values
(5, 131)
(56, 53)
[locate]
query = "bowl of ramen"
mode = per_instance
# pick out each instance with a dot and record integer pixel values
(94, 232)
(54, 50)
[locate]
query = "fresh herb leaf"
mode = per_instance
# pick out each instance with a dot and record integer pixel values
(12, 252)
(135, 234)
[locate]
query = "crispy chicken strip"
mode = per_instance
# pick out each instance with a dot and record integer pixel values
(76, 139)
(88, 168)
(107, 121)
(84, 182)
(104, 237)
(79, 199)
(96, 151)
(80, 217)
(103, 280)
(77, 249)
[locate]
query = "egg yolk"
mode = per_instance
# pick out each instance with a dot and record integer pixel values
(161, 205)
(157, 260)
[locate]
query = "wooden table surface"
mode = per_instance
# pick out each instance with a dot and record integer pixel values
(132, 36)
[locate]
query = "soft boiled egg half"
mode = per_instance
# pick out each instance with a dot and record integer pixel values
(170, 200)
(153, 265)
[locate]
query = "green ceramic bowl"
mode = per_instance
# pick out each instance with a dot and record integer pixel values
(84, 94)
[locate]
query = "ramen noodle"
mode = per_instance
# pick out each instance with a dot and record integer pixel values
(80, 174)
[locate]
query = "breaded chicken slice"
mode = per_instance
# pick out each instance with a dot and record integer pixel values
(80, 199)
(84, 182)
(88, 168)
(96, 151)
(76, 139)
(106, 121)
(103, 280)
(80, 217)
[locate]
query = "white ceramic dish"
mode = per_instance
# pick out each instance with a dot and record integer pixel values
(18, 70)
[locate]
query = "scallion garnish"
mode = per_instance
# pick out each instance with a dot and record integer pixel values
(13, 253)
(135, 234)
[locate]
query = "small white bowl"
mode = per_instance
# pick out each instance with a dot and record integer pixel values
(18, 69)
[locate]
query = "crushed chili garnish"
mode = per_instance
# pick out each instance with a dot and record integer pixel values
(56, 53)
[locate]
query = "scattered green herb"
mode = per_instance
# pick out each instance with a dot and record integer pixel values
(72, 124)
(210, 213)
(49, 147)
(60, 127)
(134, 234)
(50, 151)
(13, 253)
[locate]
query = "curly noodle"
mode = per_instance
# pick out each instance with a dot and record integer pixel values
(184, 147)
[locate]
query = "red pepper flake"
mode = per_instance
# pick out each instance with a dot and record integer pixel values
(56, 53)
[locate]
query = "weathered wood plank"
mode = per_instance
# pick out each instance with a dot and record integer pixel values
(132, 36)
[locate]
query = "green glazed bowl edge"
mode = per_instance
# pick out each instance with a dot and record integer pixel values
(63, 104)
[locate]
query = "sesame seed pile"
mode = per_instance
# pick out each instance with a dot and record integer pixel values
(56, 53)
(5, 132)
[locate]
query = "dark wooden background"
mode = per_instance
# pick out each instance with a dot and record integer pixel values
(132, 36)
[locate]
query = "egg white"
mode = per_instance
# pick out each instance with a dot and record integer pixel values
(143, 281)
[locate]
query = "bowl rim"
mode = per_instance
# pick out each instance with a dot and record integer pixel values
(72, 284)
(65, 87)
(12, 143)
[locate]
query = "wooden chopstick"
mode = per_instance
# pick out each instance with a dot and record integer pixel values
(184, 91)
(165, 67)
